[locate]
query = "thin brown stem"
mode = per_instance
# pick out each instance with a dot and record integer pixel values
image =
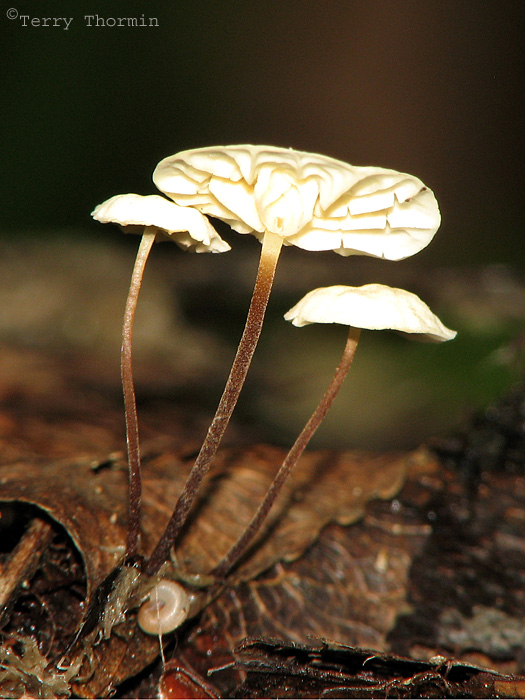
(236, 552)
(128, 388)
(269, 256)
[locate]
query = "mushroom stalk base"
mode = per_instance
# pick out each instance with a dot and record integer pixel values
(130, 405)
(271, 248)
(293, 456)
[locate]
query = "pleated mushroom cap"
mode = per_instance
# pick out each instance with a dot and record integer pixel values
(373, 307)
(312, 201)
(185, 226)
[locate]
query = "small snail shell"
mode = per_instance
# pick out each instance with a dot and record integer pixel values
(166, 609)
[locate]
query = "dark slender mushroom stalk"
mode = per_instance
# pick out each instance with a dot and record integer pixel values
(373, 306)
(287, 197)
(157, 219)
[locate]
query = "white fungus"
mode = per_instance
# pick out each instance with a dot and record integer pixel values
(310, 200)
(372, 306)
(185, 226)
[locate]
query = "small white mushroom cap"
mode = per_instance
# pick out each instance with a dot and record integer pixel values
(312, 201)
(373, 306)
(185, 226)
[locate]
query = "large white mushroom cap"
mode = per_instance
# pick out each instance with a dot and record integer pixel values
(373, 306)
(312, 201)
(185, 226)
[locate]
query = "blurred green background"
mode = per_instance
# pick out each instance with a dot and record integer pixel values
(432, 88)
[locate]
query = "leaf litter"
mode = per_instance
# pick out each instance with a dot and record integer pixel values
(352, 553)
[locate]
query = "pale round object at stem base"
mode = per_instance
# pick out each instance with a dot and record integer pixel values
(166, 609)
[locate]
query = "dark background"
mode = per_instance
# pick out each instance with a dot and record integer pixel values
(432, 88)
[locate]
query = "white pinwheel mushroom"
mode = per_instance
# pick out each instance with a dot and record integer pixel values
(373, 306)
(186, 227)
(309, 200)
(156, 218)
(288, 197)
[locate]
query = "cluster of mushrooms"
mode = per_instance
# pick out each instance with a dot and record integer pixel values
(282, 197)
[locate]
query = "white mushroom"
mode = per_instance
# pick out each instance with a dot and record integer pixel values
(373, 306)
(186, 227)
(288, 197)
(156, 218)
(309, 200)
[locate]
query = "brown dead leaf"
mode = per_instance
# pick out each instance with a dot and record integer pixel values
(90, 503)
(325, 487)
(417, 575)
(350, 586)
(278, 670)
(87, 496)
